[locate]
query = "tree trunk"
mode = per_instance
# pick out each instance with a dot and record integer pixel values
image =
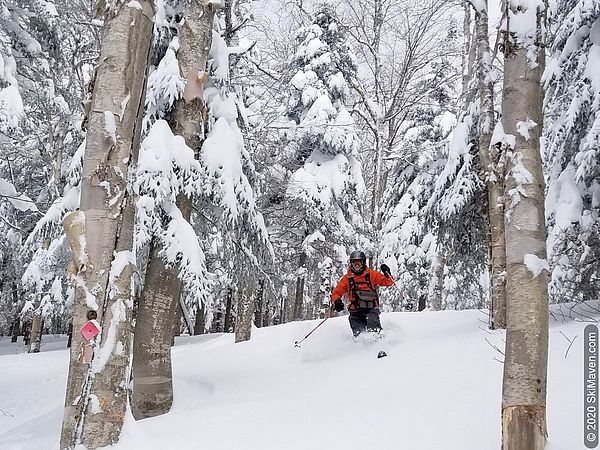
(37, 321)
(200, 323)
(228, 312)
(437, 280)
(159, 313)
(36, 333)
(377, 115)
(493, 174)
(299, 294)
(16, 328)
(185, 316)
(101, 233)
(70, 333)
(282, 306)
(243, 323)
(379, 136)
(152, 377)
(258, 314)
(298, 298)
(266, 318)
(526, 354)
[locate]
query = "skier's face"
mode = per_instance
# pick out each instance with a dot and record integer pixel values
(357, 264)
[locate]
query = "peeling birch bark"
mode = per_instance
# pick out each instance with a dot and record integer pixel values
(96, 397)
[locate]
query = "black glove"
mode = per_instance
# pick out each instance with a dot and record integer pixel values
(386, 270)
(338, 305)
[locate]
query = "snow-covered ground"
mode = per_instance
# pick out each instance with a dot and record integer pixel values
(439, 389)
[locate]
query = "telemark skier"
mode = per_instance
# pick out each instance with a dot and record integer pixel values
(360, 285)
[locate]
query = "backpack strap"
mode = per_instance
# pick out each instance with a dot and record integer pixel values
(352, 283)
(368, 280)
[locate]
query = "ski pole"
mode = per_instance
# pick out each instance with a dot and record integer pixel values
(399, 290)
(402, 296)
(297, 343)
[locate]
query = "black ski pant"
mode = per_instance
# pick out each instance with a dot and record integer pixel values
(365, 320)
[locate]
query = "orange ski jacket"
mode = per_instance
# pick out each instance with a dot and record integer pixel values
(344, 285)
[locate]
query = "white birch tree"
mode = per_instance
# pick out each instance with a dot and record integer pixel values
(526, 354)
(491, 159)
(101, 233)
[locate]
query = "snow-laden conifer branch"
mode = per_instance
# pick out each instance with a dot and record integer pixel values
(165, 87)
(42, 278)
(166, 169)
(224, 154)
(572, 131)
(459, 180)
(50, 225)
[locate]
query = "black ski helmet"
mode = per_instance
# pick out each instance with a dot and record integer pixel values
(358, 256)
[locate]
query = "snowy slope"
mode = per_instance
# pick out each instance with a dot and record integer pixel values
(439, 389)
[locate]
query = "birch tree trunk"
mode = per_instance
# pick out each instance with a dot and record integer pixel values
(37, 321)
(159, 302)
(243, 324)
(490, 158)
(526, 354)
(437, 280)
(369, 20)
(101, 233)
(466, 52)
(378, 149)
(36, 333)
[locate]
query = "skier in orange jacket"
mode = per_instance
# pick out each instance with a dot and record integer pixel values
(360, 285)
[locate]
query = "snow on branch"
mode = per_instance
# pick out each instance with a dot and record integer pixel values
(218, 58)
(43, 265)
(19, 201)
(458, 181)
(11, 107)
(225, 158)
(181, 248)
(165, 86)
(167, 168)
(50, 224)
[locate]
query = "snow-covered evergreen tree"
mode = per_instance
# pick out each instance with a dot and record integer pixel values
(409, 232)
(458, 206)
(572, 153)
(325, 186)
(433, 210)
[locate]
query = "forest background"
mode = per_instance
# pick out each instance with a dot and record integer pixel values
(379, 152)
